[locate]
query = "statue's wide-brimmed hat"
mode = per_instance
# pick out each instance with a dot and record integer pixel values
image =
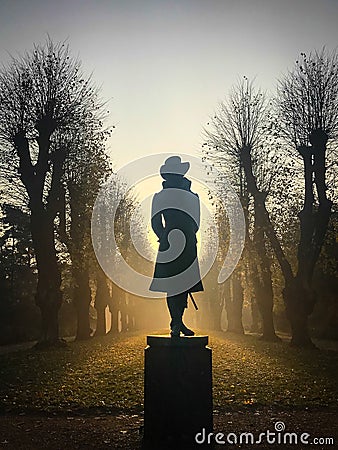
(174, 165)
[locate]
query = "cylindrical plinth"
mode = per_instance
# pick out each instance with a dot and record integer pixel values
(177, 387)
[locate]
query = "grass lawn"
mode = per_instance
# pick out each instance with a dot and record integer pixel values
(89, 395)
(106, 374)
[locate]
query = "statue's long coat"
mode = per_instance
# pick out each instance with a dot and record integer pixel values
(175, 218)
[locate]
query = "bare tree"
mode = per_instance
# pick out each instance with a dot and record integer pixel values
(86, 168)
(241, 145)
(114, 196)
(308, 119)
(43, 98)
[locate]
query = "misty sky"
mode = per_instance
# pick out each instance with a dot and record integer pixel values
(166, 64)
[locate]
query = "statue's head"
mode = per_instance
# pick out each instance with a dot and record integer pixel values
(174, 167)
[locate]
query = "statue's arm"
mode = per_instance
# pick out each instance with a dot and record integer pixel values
(156, 218)
(197, 215)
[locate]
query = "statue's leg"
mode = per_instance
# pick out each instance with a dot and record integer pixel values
(176, 305)
(184, 304)
(175, 310)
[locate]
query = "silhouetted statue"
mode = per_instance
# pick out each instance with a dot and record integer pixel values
(175, 219)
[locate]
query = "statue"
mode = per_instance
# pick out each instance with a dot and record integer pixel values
(175, 219)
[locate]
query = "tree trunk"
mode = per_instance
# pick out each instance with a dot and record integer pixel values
(79, 226)
(114, 309)
(255, 315)
(262, 280)
(82, 299)
(101, 302)
(265, 306)
(33, 176)
(269, 333)
(217, 308)
(299, 295)
(299, 303)
(217, 322)
(234, 305)
(124, 311)
(48, 295)
(131, 315)
(263, 287)
(101, 321)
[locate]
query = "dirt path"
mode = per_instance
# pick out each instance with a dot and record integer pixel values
(21, 432)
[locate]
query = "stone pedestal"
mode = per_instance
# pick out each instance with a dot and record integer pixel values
(177, 387)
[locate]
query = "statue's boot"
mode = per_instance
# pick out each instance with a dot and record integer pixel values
(176, 306)
(186, 331)
(175, 331)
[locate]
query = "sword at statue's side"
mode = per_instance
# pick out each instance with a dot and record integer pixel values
(193, 301)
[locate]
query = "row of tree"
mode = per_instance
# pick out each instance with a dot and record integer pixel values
(258, 144)
(53, 164)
